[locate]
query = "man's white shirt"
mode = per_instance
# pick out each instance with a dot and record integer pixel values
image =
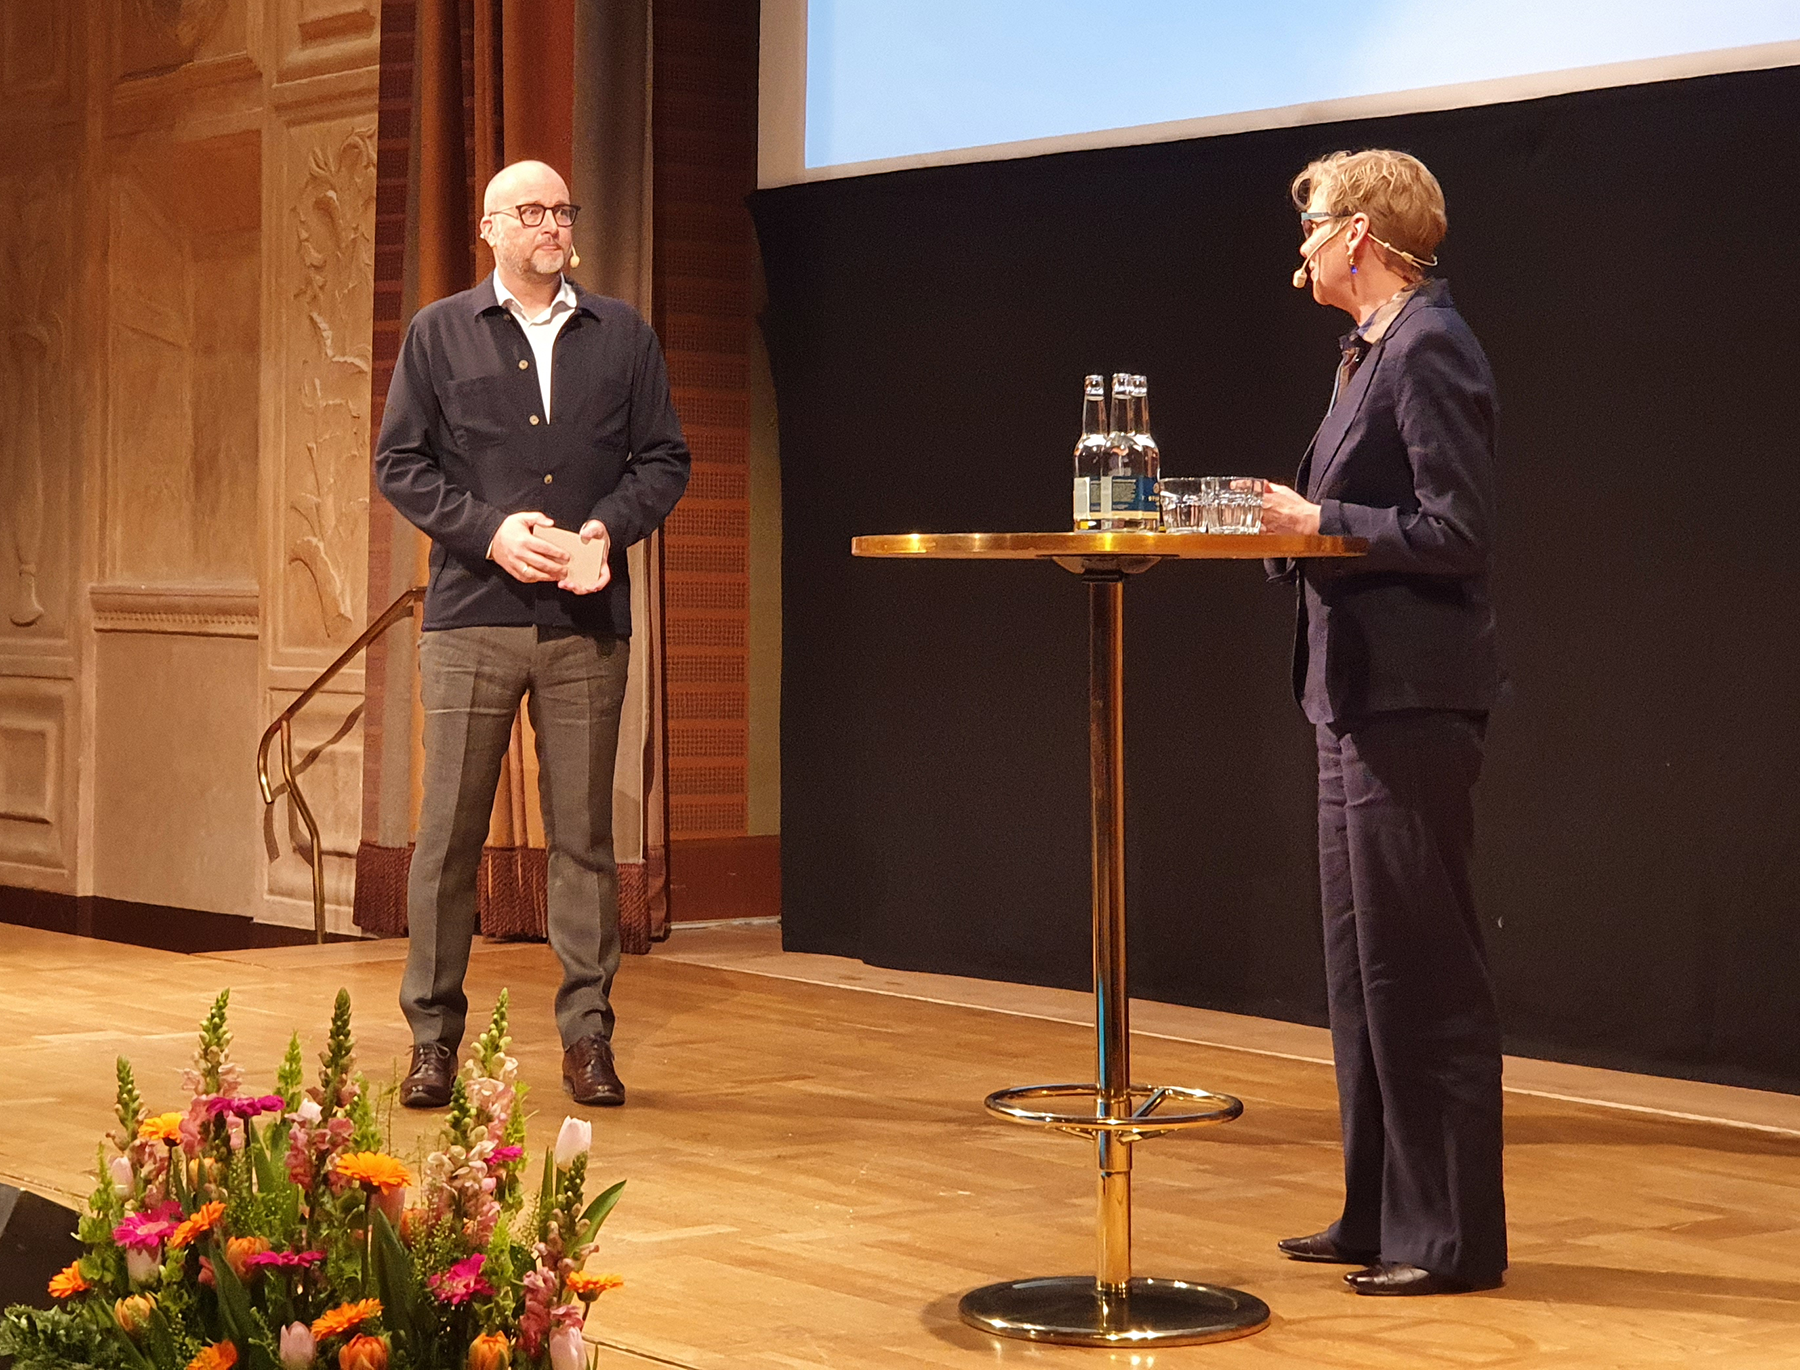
(540, 332)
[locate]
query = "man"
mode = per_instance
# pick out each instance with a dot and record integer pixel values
(522, 405)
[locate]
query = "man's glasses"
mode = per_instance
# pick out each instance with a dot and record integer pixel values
(533, 215)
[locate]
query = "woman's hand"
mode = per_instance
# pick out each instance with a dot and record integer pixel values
(1284, 510)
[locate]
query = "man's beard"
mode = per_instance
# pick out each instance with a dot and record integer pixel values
(525, 264)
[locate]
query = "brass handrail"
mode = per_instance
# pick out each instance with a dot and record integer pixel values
(399, 609)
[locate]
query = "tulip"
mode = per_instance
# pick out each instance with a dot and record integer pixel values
(238, 1252)
(142, 1266)
(566, 1350)
(121, 1173)
(133, 1314)
(363, 1353)
(297, 1346)
(490, 1351)
(390, 1203)
(576, 1137)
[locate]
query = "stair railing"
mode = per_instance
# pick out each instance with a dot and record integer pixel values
(282, 727)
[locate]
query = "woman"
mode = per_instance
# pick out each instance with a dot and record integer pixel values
(1395, 666)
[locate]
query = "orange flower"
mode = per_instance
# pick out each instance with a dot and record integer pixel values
(490, 1351)
(221, 1355)
(238, 1252)
(205, 1219)
(69, 1282)
(345, 1317)
(363, 1353)
(164, 1127)
(373, 1169)
(591, 1287)
(133, 1314)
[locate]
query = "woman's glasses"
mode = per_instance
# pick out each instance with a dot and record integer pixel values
(1312, 219)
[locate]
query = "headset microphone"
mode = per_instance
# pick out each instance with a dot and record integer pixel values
(574, 258)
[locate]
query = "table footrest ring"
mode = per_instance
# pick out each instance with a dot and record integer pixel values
(1141, 1116)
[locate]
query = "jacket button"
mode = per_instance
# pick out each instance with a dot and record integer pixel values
(534, 419)
(548, 479)
(524, 365)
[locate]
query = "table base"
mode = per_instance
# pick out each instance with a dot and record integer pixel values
(1071, 1310)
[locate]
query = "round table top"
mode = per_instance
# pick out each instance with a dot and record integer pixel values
(1091, 546)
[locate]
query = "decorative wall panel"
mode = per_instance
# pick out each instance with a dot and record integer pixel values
(318, 36)
(150, 493)
(34, 51)
(34, 763)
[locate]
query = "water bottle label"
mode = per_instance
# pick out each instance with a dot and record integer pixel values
(1129, 494)
(1087, 498)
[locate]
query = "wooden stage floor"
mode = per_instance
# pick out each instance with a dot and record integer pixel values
(813, 1180)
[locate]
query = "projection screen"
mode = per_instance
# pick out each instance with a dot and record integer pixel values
(851, 87)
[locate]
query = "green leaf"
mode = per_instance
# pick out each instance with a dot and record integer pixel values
(597, 1211)
(396, 1283)
(234, 1303)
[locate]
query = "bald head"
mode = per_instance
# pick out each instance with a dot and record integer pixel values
(529, 257)
(524, 183)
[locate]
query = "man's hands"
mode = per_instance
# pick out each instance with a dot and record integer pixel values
(1286, 511)
(526, 557)
(591, 531)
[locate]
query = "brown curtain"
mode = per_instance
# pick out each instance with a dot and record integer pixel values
(492, 82)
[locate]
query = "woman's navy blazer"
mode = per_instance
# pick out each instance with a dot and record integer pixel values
(1405, 459)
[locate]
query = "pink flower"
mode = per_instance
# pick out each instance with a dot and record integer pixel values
(461, 1282)
(534, 1321)
(148, 1231)
(566, 1351)
(297, 1345)
(218, 1106)
(503, 1154)
(286, 1260)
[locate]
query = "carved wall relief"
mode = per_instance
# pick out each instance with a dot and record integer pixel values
(34, 358)
(326, 461)
(185, 23)
(157, 36)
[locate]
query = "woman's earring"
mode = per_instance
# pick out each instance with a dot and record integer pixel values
(1351, 256)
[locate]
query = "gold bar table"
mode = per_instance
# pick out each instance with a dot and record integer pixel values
(1113, 1307)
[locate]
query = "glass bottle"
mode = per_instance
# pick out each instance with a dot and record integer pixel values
(1140, 388)
(1093, 455)
(1129, 501)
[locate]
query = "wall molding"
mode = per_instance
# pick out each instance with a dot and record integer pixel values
(197, 610)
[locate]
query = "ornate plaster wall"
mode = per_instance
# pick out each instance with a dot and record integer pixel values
(185, 301)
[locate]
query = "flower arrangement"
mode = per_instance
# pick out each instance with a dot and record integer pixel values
(278, 1232)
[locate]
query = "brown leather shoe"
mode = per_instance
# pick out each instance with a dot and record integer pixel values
(1394, 1278)
(588, 1073)
(1320, 1247)
(427, 1084)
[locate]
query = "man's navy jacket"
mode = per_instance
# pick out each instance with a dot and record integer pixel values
(464, 443)
(1405, 459)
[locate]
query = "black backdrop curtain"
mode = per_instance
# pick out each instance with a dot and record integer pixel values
(1627, 259)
